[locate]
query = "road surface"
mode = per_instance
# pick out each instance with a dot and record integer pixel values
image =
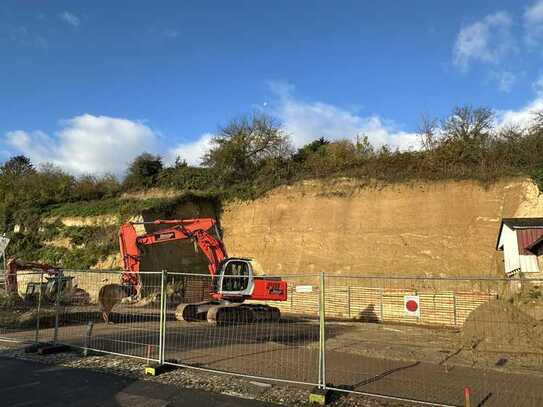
(24, 383)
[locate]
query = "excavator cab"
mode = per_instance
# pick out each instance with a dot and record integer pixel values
(234, 278)
(52, 287)
(239, 279)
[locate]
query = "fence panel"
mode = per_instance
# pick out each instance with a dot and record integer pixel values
(285, 349)
(422, 339)
(22, 313)
(480, 333)
(133, 328)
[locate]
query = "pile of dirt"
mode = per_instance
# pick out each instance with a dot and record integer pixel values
(498, 324)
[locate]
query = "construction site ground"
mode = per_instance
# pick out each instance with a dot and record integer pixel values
(415, 362)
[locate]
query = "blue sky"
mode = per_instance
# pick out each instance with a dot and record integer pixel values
(90, 85)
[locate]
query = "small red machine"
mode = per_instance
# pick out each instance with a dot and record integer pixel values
(14, 265)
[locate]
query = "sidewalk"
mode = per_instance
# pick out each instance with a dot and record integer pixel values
(24, 383)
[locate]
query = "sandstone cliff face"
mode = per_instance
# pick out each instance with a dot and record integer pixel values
(419, 229)
(349, 228)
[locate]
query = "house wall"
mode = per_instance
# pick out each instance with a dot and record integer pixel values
(511, 258)
(529, 264)
(528, 260)
(516, 256)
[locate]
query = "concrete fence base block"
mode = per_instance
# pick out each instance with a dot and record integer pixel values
(156, 369)
(319, 396)
(35, 347)
(261, 384)
(51, 349)
(85, 352)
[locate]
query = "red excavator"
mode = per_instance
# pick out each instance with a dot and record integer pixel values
(14, 265)
(49, 288)
(233, 280)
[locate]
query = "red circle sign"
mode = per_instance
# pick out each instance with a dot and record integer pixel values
(411, 306)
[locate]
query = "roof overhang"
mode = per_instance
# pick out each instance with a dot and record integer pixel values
(517, 224)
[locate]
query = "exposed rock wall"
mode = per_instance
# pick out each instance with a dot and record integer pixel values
(351, 228)
(423, 229)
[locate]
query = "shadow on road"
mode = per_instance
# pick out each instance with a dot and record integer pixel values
(41, 385)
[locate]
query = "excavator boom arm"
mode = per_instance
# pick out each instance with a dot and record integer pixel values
(194, 229)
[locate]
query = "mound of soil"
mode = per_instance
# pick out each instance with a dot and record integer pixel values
(499, 324)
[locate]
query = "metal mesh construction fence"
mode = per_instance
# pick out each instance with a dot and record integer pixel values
(133, 327)
(422, 339)
(428, 339)
(284, 348)
(22, 316)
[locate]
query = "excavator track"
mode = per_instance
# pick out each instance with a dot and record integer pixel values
(193, 312)
(223, 313)
(236, 314)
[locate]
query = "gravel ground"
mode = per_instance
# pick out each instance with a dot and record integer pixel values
(289, 395)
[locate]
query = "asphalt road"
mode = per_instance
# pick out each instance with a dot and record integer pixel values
(24, 383)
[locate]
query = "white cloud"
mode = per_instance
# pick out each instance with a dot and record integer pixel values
(69, 18)
(192, 152)
(305, 122)
(87, 144)
(488, 40)
(533, 23)
(524, 116)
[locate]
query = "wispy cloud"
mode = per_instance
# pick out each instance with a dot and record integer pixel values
(23, 36)
(486, 41)
(70, 18)
(170, 33)
(533, 23)
(505, 80)
(537, 86)
(307, 121)
(158, 30)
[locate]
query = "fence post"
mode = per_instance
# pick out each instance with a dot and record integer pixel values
(382, 305)
(155, 369)
(291, 299)
(454, 309)
(36, 339)
(322, 332)
(349, 301)
(57, 305)
(162, 331)
(320, 395)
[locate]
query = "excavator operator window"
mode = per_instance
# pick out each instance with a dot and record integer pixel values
(236, 276)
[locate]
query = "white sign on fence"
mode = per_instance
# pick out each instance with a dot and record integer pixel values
(304, 288)
(411, 305)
